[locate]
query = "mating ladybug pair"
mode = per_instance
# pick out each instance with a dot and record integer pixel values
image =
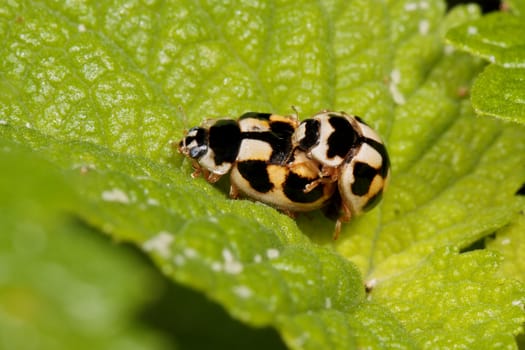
(330, 158)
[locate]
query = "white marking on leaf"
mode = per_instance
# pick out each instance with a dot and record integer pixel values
(243, 292)
(505, 241)
(395, 79)
(471, 8)
(301, 340)
(471, 30)
(84, 168)
(190, 252)
(216, 266)
(410, 6)
(395, 76)
(227, 255)
(424, 26)
(179, 260)
(231, 265)
(153, 202)
(160, 244)
(449, 49)
(115, 195)
(272, 253)
(328, 303)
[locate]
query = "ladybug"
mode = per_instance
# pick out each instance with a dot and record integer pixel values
(331, 158)
(214, 145)
(257, 149)
(351, 154)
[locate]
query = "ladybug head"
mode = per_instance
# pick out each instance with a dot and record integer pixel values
(195, 143)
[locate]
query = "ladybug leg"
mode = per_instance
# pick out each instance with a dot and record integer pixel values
(209, 176)
(326, 175)
(312, 185)
(345, 217)
(213, 178)
(329, 172)
(234, 192)
(197, 170)
(337, 230)
(177, 145)
(290, 213)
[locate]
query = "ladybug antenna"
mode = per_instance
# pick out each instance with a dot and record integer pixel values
(296, 110)
(176, 144)
(184, 119)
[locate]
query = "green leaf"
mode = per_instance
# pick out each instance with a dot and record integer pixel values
(511, 243)
(95, 90)
(275, 277)
(499, 92)
(499, 38)
(456, 286)
(62, 286)
(340, 330)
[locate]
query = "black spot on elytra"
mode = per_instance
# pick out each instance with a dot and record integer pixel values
(521, 191)
(363, 176)
(256, 173)
(225, 140)
(311, 134)
(373, 201)
(281, 146)
(294, 186)
(342, 139)
(282, 129)
(381, 149)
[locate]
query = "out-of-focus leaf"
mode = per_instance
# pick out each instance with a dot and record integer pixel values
(61, 286)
